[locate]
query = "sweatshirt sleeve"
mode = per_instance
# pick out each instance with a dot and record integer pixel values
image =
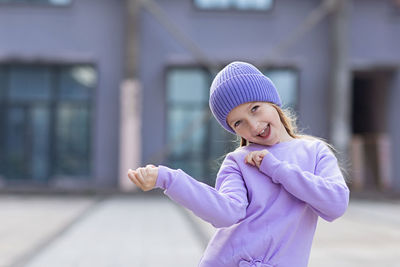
(324, 190)
(221, 206)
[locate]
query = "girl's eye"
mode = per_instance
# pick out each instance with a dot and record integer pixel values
(254, 108)
(236, 124)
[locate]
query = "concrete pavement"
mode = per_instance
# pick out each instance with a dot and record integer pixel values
(29, 223)
(150, 230)
(367, 235)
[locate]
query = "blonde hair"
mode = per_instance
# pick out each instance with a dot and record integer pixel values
(289, 121)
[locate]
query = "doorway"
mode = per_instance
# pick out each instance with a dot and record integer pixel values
(370, 142)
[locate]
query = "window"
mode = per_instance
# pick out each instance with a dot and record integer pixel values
(72, 131)
(197, 141)
(2, 82)
(286, 82)
(45, 120)
(49, 2)
(234, 4)
(2, 112)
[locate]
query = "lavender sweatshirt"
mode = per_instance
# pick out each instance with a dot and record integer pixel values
(265, 217)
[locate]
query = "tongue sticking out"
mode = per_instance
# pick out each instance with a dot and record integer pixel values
(265, 133)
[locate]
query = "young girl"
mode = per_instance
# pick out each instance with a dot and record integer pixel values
(270, 191)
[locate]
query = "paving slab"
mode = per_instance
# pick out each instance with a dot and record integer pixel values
(28, 222)
(126, 231)
(151, 230)
(368, 235)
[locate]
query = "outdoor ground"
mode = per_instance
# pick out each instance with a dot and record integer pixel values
(117, 230)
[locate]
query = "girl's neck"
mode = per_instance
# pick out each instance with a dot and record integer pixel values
(284, 136)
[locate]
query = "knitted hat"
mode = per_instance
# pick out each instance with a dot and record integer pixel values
(239, 83)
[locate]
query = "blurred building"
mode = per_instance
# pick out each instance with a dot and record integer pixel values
(63, 64)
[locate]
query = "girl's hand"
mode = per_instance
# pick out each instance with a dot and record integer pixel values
(145, 178)
(254, 158)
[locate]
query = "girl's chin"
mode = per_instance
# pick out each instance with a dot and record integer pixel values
(265, 142)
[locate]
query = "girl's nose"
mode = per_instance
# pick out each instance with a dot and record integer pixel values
(254, 127)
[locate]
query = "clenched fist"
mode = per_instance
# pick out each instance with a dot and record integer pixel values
(145, 178)
(255, 157)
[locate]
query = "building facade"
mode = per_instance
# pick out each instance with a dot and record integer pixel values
(61, 65)
(71, 56)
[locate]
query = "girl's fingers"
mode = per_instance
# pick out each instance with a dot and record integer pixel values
(254, 161)
(133, 178)
(142, 175)
(258, 160)
(130, 174)
(255, 158)
(137, 177)
(258, 163)
(249, 159)
(261, 157)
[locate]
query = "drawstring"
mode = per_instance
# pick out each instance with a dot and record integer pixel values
(253, 263)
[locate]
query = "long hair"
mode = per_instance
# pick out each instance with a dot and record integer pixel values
(289, 121)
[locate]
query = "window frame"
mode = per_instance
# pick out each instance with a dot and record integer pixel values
(52, 104)
(31, 3)
(168, 69)
(233, 9)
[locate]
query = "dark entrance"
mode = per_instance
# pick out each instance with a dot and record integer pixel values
(370, 141)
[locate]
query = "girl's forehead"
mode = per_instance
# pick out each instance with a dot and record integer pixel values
(237, 112)
(248, 105)
(245, 105)
(241, 108)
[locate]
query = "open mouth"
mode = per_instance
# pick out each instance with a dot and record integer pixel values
(265, 132)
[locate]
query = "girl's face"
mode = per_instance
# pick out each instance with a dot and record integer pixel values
(258, 122)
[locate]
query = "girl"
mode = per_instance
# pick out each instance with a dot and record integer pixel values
(270, 191)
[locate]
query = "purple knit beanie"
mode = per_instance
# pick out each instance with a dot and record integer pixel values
(239, 83)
